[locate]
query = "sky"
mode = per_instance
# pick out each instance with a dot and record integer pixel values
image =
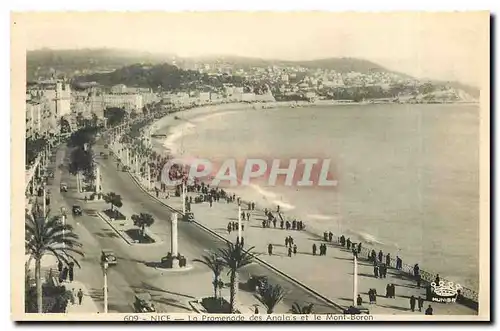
(445, 46)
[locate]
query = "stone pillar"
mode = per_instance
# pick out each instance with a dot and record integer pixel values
(149, 177)
(97, 179)
(355, 282)
(183, 198)
(174, 248)
(239, 224)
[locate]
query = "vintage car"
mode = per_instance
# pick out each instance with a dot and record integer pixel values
(77, 210)
(109, 256)
(143, 303)
(256, 283)
(189, 217)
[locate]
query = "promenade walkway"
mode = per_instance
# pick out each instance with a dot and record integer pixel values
(330, 275)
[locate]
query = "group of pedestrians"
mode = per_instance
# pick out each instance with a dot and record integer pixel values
(322, 249)
(233, 226)
(66, 272)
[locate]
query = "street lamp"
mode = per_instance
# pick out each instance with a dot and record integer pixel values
(104, 265)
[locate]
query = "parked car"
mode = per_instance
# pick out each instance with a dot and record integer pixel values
(64, 187)
(255, 283)
(189, 217)
(109, 256)
(143, 303)
(77, 210)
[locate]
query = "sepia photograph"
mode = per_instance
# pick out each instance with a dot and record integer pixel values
(250, 166)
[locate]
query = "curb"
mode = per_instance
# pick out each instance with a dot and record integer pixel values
(262, 262)
(114, 229)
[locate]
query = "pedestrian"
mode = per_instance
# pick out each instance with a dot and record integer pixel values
(373, 256)
(71, 271)
(324, 249)
(65, 273)
(416, 270)
(80, 296)
(294, 249)
(330, 236)
(242, 241)
(289, 251)
(420, 303)
(348, 243)
(290, 240)
(282, 223)
(314, 249)
(412, 303)
(399, 263)
(60, 266)
(325, 236)
(380, 256)
(243, 215)
(393, 291)
(229, 228)
(278, 209)
(388, 259)
(286, 241)
(388, 291)
(419, 280)
(253, 205)
(248, 217)
(429, 310)
(274, 222)
(263, 223)
(342, 240)
(270, 249)
(437, 280)
(355, 253)
(359, 300)
(256, 310)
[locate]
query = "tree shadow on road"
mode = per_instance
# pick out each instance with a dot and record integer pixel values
(394, 307)
(149, 287)
(171, 302)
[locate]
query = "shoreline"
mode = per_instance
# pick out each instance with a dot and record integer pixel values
(168, 124)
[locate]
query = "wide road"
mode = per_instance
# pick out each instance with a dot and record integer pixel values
(196, 239)
(131, 275)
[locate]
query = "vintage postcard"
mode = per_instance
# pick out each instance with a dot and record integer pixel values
(237, 166)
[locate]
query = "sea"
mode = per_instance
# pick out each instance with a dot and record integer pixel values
(407, 176)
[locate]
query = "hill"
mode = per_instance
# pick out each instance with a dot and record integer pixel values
(43, 62)
(337, 64)
(167, 77)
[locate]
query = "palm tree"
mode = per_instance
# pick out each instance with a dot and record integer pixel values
(48, 236)
(298, 309)
(216, 264)
(270, 296)
(234, 257)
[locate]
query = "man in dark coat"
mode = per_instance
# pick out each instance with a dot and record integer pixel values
(380, 256)
(429, 310)
(359, 300)
(270, 249)
(420, 303)
(314, 249)
(80, 296)
(412, 303)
